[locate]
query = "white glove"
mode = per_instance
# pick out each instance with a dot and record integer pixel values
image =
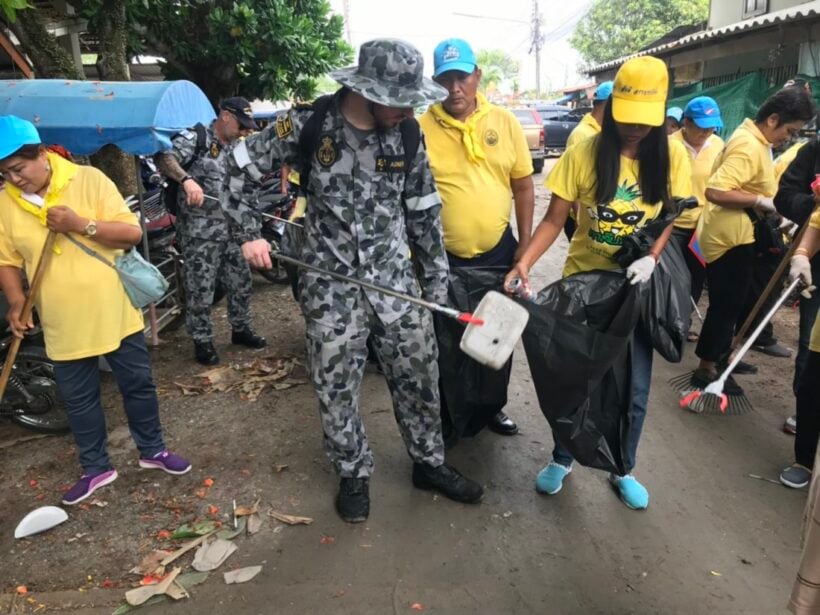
(764, 205)
(641, 270)
(801, 268)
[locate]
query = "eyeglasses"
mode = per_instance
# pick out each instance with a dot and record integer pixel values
(610, 215)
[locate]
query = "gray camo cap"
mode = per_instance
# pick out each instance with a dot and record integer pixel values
(391, 73)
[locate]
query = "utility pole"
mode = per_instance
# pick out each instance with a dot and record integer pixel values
(535, 45)
(346, 4)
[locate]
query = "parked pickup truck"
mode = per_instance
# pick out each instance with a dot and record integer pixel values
(559, 121)
(534, 131)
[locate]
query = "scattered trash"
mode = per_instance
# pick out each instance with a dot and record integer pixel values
(77, 536)
(200, 528)
(249, 378)
(21, 589)
(245, 511)
(290, 519)
(231, 533)
(212, 554)
(507, 514)
(241, 575)
(763, 478)
(280, 467)
(715, 573)
(140, 595)
(151, 564)
(184, 549)
(254, 524)
(327, 540)
(417, 606)
(208, 482)
(98, 503)
(40, 520)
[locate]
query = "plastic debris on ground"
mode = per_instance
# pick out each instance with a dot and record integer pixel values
(241, 575)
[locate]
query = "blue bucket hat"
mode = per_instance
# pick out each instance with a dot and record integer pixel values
(15, 133)
(704, 112)
(676, 113)
(603, 91)
(453, 54)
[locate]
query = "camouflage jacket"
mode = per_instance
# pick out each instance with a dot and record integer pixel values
(364, 214)
(208, 220)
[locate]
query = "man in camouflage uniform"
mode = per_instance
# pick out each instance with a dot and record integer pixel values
(204, 236)
(366, 213)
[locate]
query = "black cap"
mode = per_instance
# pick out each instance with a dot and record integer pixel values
(241, 109)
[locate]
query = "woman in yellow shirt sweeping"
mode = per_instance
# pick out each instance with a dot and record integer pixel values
(83, 308)
(742, 185)
(622, 179)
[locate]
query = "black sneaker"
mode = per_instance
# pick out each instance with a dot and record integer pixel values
(205, 353)
(246, 337)
(447, 481)
(353, 499)
(744, 369)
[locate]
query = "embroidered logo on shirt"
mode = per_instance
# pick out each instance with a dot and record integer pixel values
(215, 150)
(389, 163)
(284, 126)
(490, 137)
(327, 152)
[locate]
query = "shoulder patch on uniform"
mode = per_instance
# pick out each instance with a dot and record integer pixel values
(284, 126)
(328, 151)
(215, 149)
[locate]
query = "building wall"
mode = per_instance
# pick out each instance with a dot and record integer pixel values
(725, 12)
(763, 59)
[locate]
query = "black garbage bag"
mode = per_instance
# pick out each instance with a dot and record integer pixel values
(666, 311)
(578, 347)
(293, 240)
(471, 393)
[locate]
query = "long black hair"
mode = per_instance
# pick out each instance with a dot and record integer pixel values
(653, 159)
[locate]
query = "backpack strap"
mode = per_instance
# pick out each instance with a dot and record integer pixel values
(201, 141)
(410, 141)
(309, 137)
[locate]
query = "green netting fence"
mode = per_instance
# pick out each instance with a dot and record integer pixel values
(738, 99)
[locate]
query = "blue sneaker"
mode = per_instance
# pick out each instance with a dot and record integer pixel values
(550, 480)
(632, 493)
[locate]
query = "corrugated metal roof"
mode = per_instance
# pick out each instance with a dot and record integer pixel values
(801, 11)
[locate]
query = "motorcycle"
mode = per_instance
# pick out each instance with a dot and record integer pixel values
(32, 398)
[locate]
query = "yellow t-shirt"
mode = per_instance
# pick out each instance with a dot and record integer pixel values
(586, 128)
(82, 304)
(476, 198)
(814, 342)
(702, 164)
(745, 164)
(603, 227)
(782, 162)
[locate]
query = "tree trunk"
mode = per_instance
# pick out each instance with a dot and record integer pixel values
(50, 60)
(112, 65)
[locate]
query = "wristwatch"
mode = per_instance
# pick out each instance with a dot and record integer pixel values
(90, 229)
(185, 179)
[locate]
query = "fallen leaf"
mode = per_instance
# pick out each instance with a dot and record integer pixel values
(212, 510)
(200, 528)
(140, 595)
(212, 554)
(715, 573)
(290, 519)
(327, 540)
(254, 523)
(417, 606)
(191, 579)
(241, 575)
(244, 511)
(176, 592)
(231, 533)
(21, 589)
(280, 467)
(127, 608)
(163, 534)
(98, 503)
(208, 482)
(151, 564)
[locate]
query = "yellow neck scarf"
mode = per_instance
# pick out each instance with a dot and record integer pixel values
(469, 135)
(62, 172)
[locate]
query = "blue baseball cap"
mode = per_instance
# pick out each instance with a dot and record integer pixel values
(704, 112)
(676, 113)
(603, 91)
(453, 54)
(15, 133)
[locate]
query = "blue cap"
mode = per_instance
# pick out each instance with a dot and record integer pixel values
(453, 54)
(676, 113)
(603, 91)
(15, 133)
(704, 112)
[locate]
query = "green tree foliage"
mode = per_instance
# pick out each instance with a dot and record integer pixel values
(497, 69)
(256, 48)
(614, 29)
(10, 8)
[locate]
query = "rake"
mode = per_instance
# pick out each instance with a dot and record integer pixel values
(712, 399)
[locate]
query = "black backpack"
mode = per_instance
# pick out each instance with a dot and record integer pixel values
(311, 133)
(170, 192)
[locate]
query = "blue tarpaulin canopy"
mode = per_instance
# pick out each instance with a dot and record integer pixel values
(138, 117)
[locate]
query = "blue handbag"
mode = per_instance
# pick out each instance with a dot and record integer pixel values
(143, 282)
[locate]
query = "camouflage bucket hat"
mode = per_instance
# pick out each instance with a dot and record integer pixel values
(391, 73)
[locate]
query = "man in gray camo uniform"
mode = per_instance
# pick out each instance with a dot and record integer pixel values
(207, 247)
(366, 215)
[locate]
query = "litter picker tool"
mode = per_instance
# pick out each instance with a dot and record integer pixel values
(28, 307)
(712, 398)
(492, 330)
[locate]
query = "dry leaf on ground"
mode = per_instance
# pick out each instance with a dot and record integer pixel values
(212, 554)
(249, 378)
(290, 519)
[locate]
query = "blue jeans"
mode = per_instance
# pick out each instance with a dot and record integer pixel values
(79, 384)
(808, 312)
(641, 378)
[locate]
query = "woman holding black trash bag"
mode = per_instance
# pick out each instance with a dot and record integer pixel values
(623, 179)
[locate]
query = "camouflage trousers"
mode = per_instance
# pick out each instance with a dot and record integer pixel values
(407, 352)
(206, 262)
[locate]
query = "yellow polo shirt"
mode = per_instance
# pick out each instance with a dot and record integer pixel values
(476, 198)
(603, 227)
(702, 164)
(82, 304)
(586, 128)
(782, 162)
(745, 164)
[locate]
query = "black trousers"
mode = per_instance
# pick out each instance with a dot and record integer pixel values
(697, 271)
(729, 279)
(762, 271)
(808, 412)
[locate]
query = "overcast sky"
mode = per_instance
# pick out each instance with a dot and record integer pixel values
(426, 22)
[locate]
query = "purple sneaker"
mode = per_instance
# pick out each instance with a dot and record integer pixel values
(87, 485)
(166, 461)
